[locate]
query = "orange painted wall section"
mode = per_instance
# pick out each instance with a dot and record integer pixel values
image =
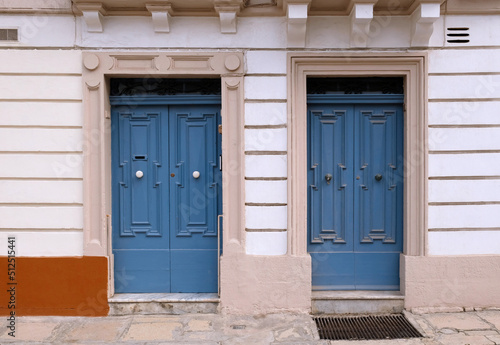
(66, 286)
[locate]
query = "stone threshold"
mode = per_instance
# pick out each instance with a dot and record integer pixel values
(357, 295)
(163, 303)
(165, 297)
(357, 302)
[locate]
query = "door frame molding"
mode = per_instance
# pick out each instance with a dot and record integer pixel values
(411, 66)
(98, 68)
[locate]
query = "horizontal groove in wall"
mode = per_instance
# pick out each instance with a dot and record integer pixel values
(464, 178)
(265, 100)
(40, 230)
(459, 100)
(265, 75)
(461, 152)
(41, 204)
(44, 100)
(264, 204)
(208, 49)
(466, 126)
(463, 47)
(39, 152)
(266, 153)
(265, 178)
(41, 74)
(463, 203)
(40, 127)
(41, 179)
(265, 230)
(451, 74)
(283, 125)
(463, 229)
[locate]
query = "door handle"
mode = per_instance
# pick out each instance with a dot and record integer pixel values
(139, 174)
(196, 174)
(378, 177)
(328, 178)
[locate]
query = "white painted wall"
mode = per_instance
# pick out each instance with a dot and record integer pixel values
(266, 145)
(464, 242)
(41, 121)
(41, 143)
(464, 168)
(266, 243)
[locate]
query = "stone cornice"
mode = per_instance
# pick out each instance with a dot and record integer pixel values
(259, 8)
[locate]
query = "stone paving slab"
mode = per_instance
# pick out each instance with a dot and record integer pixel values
(459, 321)
(465, 328)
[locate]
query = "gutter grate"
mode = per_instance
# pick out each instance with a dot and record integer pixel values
(365, 327)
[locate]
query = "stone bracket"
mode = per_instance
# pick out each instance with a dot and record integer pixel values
(297, 23)
(361, 16)
(228, 15)
(422, 21)
(92, 14)
(160, 14)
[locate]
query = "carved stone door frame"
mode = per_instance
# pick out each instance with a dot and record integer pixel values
(99, 67)
(411, 66)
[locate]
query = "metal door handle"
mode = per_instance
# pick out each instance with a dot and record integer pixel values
(328, 178)
(139, 174)
(196, 174)
(378, 177)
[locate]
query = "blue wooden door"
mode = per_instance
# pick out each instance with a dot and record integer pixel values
(355, 194)
(166, 197)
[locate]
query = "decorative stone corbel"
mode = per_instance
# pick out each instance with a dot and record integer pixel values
(297, 23)
(361, 16)
(228, 11)
(92, 14)
(160, 14)
(422, 21)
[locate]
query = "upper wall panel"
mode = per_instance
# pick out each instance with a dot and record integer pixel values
(322, 32)
(192, 32)
(40, 30)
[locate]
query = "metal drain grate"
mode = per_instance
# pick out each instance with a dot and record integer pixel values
(365, 327)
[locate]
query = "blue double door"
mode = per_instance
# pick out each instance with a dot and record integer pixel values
(166, 180)
(355, 193)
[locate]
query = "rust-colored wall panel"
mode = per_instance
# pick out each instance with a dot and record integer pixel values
(57, 286)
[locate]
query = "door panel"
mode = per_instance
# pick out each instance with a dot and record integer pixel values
(328, 153)
(164, 223)
(193, 232)
(355, 222)
(140, 246)
(378, 208)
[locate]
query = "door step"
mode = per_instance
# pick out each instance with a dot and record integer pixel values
(357, 302)
(163, 303)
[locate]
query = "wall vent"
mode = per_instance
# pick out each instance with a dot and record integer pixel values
(9, 35)
(457, 35)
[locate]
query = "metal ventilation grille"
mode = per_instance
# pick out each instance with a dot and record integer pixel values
(457, 35)
(8, 35)
(365, 327)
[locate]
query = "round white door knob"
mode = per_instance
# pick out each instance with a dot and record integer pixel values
(196, 174)
(139, 174)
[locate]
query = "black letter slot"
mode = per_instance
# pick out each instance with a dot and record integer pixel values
(139, 157)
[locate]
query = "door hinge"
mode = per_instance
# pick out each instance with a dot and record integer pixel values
(220, 129)
(404, 107)
(220, 162)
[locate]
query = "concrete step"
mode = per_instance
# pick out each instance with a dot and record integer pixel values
(357, 302)
(163, 303)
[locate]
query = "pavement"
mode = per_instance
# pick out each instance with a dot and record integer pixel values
(473, 328)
